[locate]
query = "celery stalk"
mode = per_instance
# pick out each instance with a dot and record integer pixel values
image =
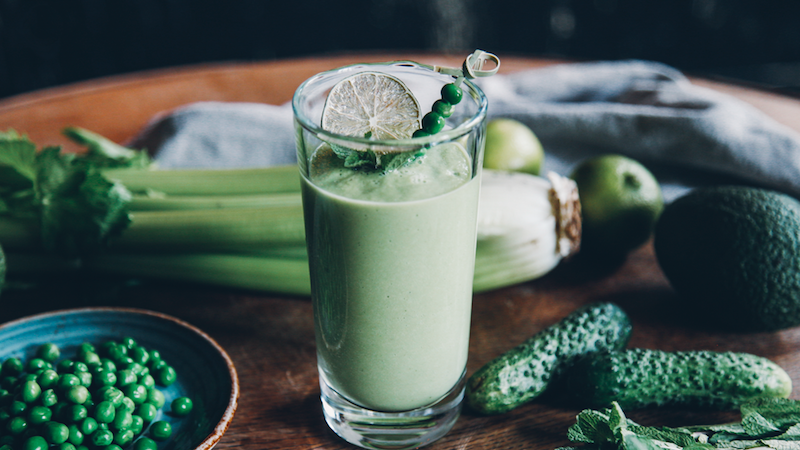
(285, 270)
(210, 182)
(270, 274)
(190, 202)
(162, 231)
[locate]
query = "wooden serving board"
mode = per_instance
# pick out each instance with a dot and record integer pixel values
(271, 339)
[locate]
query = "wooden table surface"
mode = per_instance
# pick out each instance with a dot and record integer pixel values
(270, 338)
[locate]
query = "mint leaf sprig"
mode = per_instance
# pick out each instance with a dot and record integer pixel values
(766, 423)
(370, 161)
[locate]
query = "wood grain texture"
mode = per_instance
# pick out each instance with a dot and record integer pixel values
(271, 339)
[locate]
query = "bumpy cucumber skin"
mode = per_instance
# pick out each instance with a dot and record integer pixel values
(640, 378)
(526, 371)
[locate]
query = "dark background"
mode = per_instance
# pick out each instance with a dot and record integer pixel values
(51, 42)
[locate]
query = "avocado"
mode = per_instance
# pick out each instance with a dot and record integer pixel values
(733, 252)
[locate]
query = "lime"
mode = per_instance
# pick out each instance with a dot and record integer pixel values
(620, 204)
(371, 104)
(511, 145)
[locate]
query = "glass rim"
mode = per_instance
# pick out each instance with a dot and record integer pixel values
(442, 136)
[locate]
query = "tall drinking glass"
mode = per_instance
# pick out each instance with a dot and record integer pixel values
(391, 256)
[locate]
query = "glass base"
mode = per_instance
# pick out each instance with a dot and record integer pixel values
(391, 430)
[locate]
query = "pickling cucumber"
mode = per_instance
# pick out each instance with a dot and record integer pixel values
(526, 371)
(639, 378)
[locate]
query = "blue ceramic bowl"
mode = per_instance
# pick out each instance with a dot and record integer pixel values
(205, 372)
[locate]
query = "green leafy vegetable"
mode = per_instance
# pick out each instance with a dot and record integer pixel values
(766, 423)
(76, 209)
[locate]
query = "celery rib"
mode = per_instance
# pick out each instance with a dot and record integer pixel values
(262, 180)
(192, 202)
(276, 275)
(196, 230)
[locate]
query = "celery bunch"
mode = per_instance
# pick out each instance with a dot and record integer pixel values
(114, 211)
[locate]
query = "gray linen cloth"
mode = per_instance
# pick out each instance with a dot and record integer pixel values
(687, 135)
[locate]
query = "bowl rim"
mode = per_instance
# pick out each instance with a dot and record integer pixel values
(222, 426)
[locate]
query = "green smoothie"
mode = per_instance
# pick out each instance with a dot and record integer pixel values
(392, 258)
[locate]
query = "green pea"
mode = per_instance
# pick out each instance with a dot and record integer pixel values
(6, 447)
(124, 437)
(85, 377)
(112, 447)
(104, 378)
(36, 364)
(442, 108)
(77, 394)
(127, 404)
(156, 398)
(104, 412)
(136, 392)
(88, 426)
(148, 381)
(65, 365)
(155, 356)
(147, 411)
(101, 438)
(48, 398)
(161, 430)
(48, 352)
(75, 434)
(55, 433)
(432, 123)
(126, 377)
(137, 368)
(47, 379)
(90, 358)
(74, 413)
(39, 415)
(30, 376)
(420, 133)
(17, 425)
(137, 423)
(181, 406)
(140, 355)
(108, 365)
(122, 420)
(35, 443)
(4, 416)
(67, 381)
(30, 391)
(111, 394)
(118, 352)
(80, 367)
(12, 366)
(17, 407)
(86, 347)
(155, 366)
(165, 376)
(145, 443)
(451, 93)
(65, 446)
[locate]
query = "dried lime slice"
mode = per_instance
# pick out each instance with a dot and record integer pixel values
(371, 104)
